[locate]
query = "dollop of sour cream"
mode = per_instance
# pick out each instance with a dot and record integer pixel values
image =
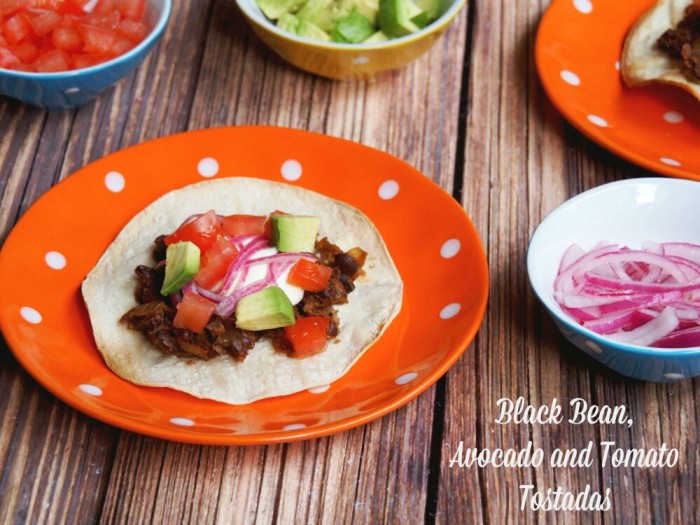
(256, 272)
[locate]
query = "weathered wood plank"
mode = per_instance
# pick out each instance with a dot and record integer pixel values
(526, 172)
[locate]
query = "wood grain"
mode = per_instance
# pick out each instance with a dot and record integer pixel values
(472, 116)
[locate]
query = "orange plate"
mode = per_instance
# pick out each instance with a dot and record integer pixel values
(578, 48)
(58, 241)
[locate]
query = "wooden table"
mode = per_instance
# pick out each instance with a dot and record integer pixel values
(471, 115)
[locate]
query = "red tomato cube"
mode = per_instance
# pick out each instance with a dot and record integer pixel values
(44, 21)
(82, 60)
(7, 58)
(202, 231)
(309, 275)
(66, 38)
(194, 312)
(16, 28)
(26, 51)
(215, 262)
(134, 31)
(109, 21)
(51, 61)
(308, 335)
(105, 7)
(235, 225)
(97, 39)
(132, 9)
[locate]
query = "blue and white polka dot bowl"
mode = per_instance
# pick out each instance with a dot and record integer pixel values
(629, 213)
(70, 89)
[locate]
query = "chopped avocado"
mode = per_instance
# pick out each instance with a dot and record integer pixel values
(431, 7)
(369, 9)
(273, 9)
(288, 22)
(353, 28)
(310, 30)
(377, 37)
(318, 12)
(422, 19)
(181, 265)
(268, 308)
(294, 233)
(395, 17)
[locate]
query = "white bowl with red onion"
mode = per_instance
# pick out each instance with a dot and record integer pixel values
(618, 268)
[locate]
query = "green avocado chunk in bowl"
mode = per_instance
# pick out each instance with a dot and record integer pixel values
(351, 21)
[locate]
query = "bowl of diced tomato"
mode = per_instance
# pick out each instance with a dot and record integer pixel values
(59, 54)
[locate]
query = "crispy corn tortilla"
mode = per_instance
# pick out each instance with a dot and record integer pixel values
(109, 292)
(642, 62)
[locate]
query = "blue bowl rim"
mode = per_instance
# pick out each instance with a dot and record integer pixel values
(646, 351)
(153, 35)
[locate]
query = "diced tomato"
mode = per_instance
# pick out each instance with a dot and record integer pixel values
(23, 67)
(215, 262)
(235, 225)
(26, 51)
(121, 45)
(203, 231)
(81, 61)
(44, 21)
(16, 28)
(66, 38)
(7, 58)
(109, 21)
(308, 335)
(8, 7)
(104, 7)
(96, 39)
(51, 61)
(131, 8)
(70, 21)
(309, 275)
(194, 312)
(134, 31)
(71, 7)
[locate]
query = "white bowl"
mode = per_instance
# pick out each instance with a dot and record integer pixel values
(628, 213)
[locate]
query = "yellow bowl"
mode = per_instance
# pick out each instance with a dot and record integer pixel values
(347, 61)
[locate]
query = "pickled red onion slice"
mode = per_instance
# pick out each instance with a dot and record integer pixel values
(644, 297)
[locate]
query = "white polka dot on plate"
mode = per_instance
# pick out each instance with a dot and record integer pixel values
(291, 170)
(319, 389)
(406, 378)
(672, 375)
(670, 162)
(360, 60)
(30, 315)
(72, 90)
(115, 181)
(617, 65)
(55, 260)
(208, 167)
(182, 421)
(673, 117)
(593, 347)
(91, 390)
(570, 78)
(598, 121)
(294, 426)
(388, 190)
(449, 311)
(450, 248)
(584, 6)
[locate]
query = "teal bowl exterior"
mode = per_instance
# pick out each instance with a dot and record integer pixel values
(69, 89)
